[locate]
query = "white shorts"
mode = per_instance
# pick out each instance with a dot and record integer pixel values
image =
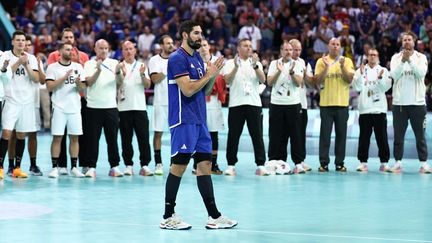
(215, 121)
(60, 120)
(38, 119)
(160, 118)
(19, 117)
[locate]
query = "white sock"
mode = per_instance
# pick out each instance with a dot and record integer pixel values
(363, 163)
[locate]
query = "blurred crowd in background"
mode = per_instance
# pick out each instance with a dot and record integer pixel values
(359, 24)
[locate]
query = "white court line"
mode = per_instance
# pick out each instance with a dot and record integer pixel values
(238, 230)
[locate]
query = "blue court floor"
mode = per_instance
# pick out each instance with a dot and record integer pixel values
(331, 207)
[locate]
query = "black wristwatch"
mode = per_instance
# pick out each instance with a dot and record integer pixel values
(291, 72)
(3, 71)
(256, 67)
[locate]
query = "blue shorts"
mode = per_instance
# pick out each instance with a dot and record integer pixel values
(190, 138)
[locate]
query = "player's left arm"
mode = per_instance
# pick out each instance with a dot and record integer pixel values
(32, 68)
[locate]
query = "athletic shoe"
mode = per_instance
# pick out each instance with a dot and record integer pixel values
(262, 171)
(77, 173)
(215, 170)
(10, 171)
(282, 168)
(362, 168)
(220, 223)
(84, 170)
(230, 171)
(54, 173)
(158, 169)
(385, 168)
(299, 170)
(341, 168)
(397, 167)
(63, 171)
(115, 172)
(323, 168)
(306, 167)
(425, 169)
(18, 173)
(1, 174)
(174, 223)
(128, 171)
(91, 172)
(145, 171)
(35, 171)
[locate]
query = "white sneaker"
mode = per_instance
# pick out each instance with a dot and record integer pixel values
(145, 171)
(84, 170)
(220, 223)
(230, 171)
(174, 223)
(128, 171)
(425, 168)
(91, 172)
(362, 167)
(115, 172)
(397, 167)
(63, 171)
(54, 173)
(158, 169)
(262, 171)
(306, 167)
(76, 173)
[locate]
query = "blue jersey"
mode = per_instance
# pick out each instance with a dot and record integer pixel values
(182, 109)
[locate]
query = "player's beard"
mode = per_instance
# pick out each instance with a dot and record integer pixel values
(194, 44)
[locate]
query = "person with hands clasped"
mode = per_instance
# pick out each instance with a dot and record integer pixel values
(18, 111)
(372, 81)
(244, 73)
(408, 69)
(285, 76)
(103, 75)
(63, 79)
(334, 74)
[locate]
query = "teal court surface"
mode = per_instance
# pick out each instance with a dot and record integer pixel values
(330, 207)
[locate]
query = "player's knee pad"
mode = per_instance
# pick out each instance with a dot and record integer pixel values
(181, 159)
(199, 157)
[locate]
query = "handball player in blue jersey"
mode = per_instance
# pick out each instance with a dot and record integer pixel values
(190, 138)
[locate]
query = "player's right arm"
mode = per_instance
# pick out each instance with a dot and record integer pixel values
(156, 74)
(189, 87)
(52, 81)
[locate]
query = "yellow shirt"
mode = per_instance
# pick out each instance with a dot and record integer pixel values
(335, 90)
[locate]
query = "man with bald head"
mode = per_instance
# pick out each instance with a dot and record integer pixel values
(103, 75)
(133, 111)
(333, 73)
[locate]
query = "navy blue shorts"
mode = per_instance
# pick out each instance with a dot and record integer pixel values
(190, 138)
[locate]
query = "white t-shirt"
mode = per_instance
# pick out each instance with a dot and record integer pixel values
(284, 91)
(65, 96)
(303, 89)
(252, 33)
(1, 79)
(103, 93)
(158, 64)
(244, 88)
(134, 93)
(214, 102)
(19, 89)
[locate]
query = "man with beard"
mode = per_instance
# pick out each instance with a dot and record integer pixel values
(187, 80)
(103, 75)
(80, 57)
(408, 69)
(132, 109)
(63, 78)
(158, 75)
(18, 110)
